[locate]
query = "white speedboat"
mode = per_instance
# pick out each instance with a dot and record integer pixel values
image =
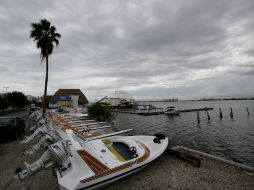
(99, 162)
(92, 164)
(171, 111)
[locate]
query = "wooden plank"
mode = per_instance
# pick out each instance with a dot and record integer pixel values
(196, 109)
(191, 159)
(92, 162)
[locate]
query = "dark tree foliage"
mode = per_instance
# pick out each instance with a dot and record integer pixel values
(46, 39)
(102, 113)
(4, 103)
(17, 99)
(37, 104)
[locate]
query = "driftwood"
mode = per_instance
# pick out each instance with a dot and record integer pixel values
(190, 159)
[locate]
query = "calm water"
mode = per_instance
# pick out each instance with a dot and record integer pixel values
(232, 139)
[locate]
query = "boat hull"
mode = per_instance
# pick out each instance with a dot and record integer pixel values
(105, 183)
(114, 174)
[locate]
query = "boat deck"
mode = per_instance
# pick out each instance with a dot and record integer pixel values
(92, 162)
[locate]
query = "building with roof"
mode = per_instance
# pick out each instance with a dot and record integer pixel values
(67, 98)
(119, 99)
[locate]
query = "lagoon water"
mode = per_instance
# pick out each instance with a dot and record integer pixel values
(232, 139)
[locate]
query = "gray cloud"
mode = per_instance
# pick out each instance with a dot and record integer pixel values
(185, 49)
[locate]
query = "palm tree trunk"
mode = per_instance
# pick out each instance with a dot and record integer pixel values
(46, 86)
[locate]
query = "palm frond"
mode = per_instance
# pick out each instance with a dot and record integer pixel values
(52, 29)
(45, 37)
(56, 41)
(57, 35)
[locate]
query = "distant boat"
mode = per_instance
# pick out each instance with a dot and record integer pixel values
(171, 111)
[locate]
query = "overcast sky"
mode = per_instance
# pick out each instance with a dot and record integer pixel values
(187, 49)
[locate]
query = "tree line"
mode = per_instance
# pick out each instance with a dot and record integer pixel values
(15, 100)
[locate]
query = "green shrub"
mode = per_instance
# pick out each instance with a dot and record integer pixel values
(17, 99)
(102, 113)
(4, 103)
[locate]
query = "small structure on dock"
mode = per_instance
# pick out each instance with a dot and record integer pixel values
(118, 100)
(147, 109)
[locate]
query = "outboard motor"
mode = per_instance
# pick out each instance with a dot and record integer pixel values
(49, 138)
(39, 132)
(43, 162)
(40, 123)
(58, 153)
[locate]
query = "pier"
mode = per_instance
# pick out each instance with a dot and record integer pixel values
(196, 109)
(158, 111)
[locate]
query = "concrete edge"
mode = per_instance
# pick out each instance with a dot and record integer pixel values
(242, 166)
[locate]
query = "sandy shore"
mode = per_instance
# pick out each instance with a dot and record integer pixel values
(167, 172)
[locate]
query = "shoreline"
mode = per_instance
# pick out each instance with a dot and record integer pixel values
(167, 172)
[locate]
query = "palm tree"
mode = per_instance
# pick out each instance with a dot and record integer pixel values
(46, 39)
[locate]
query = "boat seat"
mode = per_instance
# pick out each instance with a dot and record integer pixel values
(109, 145)
(121, 150)
(124, 150)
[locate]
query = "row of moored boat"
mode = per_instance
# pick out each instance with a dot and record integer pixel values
(85, 153)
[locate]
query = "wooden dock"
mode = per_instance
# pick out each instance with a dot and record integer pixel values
(151, 113)
(159, 111)
(196, 109)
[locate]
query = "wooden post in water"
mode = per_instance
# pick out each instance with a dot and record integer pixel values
(220, 113)
(247, 110)
(208, 116)
(198, 118)
(231, 113)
